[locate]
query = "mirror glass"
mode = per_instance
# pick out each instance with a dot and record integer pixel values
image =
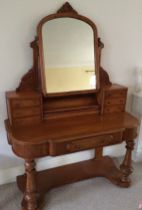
(69, 57)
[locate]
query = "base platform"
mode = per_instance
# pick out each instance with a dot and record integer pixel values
(56, 177)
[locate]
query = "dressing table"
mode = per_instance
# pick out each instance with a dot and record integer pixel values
(66, 103)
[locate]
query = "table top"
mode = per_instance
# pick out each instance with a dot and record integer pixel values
(65, 129)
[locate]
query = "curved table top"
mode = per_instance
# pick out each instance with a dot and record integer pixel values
(67, 129)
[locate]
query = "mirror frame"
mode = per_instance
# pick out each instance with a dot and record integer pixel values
(67, 11)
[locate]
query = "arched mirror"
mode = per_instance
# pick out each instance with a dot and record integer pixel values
(69, 61)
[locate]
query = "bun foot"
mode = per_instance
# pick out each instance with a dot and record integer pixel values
(124, 182)
(40, 204)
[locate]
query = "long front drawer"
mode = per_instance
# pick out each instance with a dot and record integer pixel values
(58, 148)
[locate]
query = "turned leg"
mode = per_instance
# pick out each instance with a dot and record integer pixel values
(98, 152)
(30, 196)
(126, 166)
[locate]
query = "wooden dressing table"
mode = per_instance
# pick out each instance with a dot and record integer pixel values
(43, 121)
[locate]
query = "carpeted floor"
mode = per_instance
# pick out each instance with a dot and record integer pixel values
(93, 194)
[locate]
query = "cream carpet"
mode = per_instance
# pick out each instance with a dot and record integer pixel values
(93, 194)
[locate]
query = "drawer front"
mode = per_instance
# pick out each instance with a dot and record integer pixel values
(114, 109)
(92, 142)
(25, 103)
(115, 94)
(27, 120)
(26, 112)
(117, 101)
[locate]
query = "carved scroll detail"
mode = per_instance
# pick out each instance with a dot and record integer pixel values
(27, 82)
(104, 78)
(100, 43)
(67, 8)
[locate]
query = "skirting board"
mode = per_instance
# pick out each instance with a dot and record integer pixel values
(9, 175)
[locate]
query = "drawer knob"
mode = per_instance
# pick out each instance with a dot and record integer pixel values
(73, 146)
(111, 137)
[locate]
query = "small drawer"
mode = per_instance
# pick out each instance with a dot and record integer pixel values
(115, 94)
(117, 101)
(27, 120)
(114, 109)
(25, 103)
(26, 112)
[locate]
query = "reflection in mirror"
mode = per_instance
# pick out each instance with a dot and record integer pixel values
(68, 46)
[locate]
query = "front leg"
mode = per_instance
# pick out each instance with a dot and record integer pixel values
(126, 166)
(30, 200)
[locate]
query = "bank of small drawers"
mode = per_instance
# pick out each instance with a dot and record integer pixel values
(115, 100)
(25, 109)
